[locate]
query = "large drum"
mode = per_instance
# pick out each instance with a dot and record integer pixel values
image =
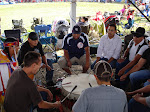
(83, 81)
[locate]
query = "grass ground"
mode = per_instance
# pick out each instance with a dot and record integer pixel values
(49, 11)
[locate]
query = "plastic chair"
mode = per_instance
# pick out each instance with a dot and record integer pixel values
(42, 31)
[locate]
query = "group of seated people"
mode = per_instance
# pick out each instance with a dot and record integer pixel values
(132, 68)
(125, 10)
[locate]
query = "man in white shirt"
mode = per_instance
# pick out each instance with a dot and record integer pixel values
(132, 55)
(109, 47)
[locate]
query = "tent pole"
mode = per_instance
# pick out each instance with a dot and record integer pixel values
(73, 14)
(138, 9)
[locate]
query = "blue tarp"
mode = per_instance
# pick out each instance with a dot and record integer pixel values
(4, 3)
(118, 0)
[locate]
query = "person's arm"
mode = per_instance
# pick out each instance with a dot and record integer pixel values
(97, 59)
(130, 64)
(126, 53)
(45, 90)
(137, 67)
(45, 62)
(140, 99)
(145, 89)
(21, 55)
(100, 49)
(87, 57)
(36, 98)
(118, 46)
(66, 55)
(117, 51)
(111, 59)
(47, 105)
(124, 56)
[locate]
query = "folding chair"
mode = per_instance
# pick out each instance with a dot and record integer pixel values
(129, 26)
(13, 33)
(18, 24)
(42, 31)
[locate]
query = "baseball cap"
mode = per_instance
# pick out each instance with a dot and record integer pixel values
(33, 36)
(76, 29)
(102, 69)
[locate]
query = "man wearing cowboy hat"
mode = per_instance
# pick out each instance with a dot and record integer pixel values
(132, 55)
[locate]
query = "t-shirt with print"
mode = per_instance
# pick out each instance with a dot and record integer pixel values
(74, 47)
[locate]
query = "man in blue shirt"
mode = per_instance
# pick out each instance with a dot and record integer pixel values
(76, 50)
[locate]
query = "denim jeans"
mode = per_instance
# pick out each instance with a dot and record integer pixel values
(49, 74)
(119, 66)
(44, 97)
(146, 83)
(135, 106)
(112, 63)
(137, 78)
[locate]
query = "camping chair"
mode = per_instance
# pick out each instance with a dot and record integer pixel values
(42, 31)
(17, 34)
(13, 33)
(18, 24)
(85, 29)
(128, 26)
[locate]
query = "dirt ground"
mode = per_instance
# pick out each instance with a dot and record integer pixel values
(58, 72)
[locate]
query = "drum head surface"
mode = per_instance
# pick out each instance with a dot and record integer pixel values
(81, 80)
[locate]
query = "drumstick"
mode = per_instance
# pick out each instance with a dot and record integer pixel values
(69, 93)
(66, 83)
(59, 85)
(74, 72)
(90, 84)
